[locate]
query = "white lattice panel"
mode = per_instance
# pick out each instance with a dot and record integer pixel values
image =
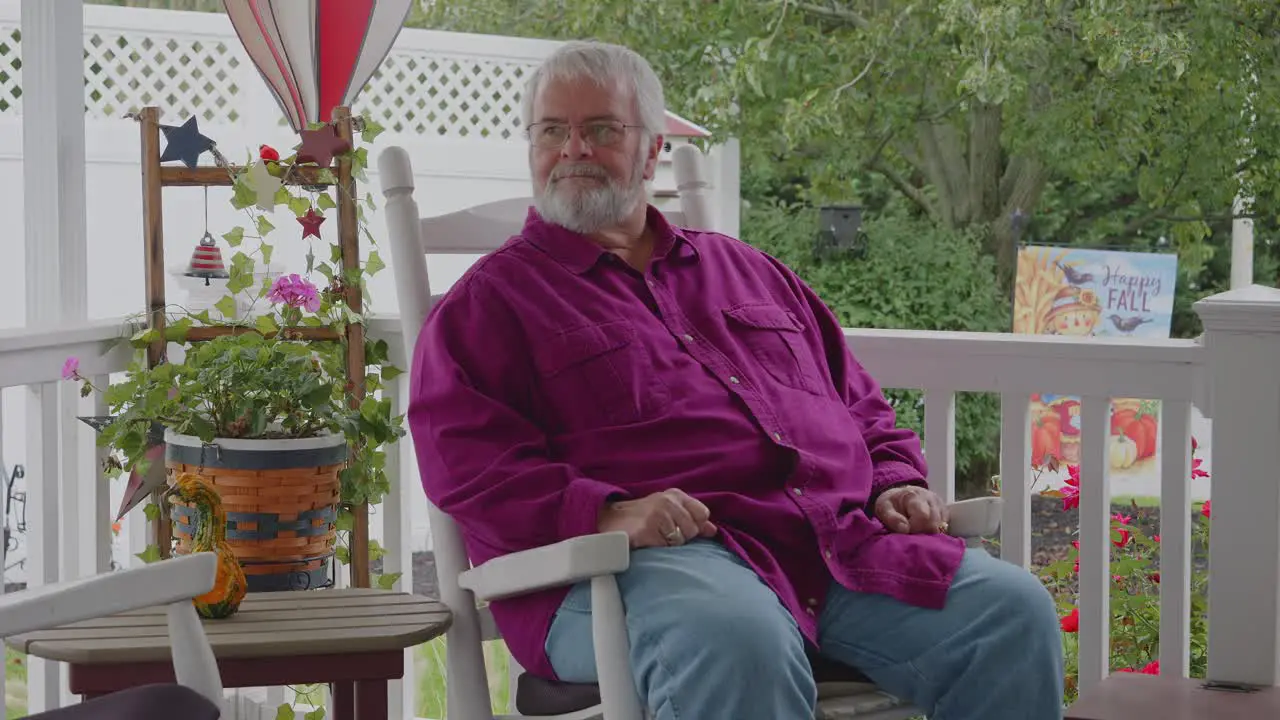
(422, 88)
(433, 94)
(125, 72)
(10, 69)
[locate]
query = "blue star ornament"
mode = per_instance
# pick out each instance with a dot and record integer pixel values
(184, 142)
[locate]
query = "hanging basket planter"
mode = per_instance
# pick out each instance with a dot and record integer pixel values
(281, 499)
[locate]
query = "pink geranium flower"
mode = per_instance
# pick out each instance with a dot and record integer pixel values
(294, 291)
(71, 369)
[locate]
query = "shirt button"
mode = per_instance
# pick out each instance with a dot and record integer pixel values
(827, 554)
(777, 437)
(797, 491)
(810, 611)
(688, 337)
(813, 602)
(734, 379)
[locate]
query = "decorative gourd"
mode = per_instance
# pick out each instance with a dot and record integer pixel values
(210, 535)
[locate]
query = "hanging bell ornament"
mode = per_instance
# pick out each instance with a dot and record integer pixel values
(206, 261)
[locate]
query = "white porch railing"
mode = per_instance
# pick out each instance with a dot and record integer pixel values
(1229, 373)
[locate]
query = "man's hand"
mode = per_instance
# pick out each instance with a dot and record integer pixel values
(911, 509)
(662, 519)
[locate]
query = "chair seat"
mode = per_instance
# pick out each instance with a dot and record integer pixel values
(537, 696)
(145, 702)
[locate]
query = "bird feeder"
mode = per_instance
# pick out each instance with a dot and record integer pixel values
(840, 231)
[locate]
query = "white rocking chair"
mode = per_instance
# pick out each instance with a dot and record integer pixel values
(843, 692)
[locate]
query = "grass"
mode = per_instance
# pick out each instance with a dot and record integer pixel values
(430, 670)
(1143, 501)
(15, 684)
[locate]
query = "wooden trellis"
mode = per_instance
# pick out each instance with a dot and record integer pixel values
(155, 178)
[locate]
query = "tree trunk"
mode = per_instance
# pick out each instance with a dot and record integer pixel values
(972, 186)
(942, 154)
(1020, 189)
(985, 121)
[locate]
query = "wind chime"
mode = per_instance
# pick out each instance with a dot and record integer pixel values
(206, 259)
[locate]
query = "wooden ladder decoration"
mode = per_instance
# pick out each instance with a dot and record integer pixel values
(156, 177)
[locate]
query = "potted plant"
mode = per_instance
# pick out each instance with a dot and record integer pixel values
(263, 412)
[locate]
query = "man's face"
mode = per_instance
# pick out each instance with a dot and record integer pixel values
(588, 155)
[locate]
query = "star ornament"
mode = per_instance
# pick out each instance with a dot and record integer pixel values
(311, 223)
(264, 184)
(184, 142)
(140, 486)
(321, 145)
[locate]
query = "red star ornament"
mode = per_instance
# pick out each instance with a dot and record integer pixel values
(319, 146)
(311, 223)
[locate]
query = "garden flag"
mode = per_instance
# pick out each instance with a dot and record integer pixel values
(316, 55)
(1079, 292)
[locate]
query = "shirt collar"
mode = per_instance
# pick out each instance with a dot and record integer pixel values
(578, 254)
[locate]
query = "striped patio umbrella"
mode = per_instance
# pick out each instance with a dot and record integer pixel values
(316, 55)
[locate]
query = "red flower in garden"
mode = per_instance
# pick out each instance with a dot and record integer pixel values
(1205, 510)
(1196, 472)
(1151, 668)
(1070, 623)
(1071, 491)
(266, 152)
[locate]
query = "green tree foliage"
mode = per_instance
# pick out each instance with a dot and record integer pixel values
(968, 108)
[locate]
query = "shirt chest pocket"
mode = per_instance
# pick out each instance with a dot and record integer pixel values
(600, 376)
(775, 338)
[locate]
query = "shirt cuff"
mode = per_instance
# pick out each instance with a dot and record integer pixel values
(583, 500)
(892, 474)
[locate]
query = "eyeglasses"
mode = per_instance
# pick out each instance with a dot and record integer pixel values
(598, 134)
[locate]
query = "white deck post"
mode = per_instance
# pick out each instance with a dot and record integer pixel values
(56, 273)
(1242, 336)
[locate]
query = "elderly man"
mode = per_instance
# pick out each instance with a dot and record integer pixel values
(606, 371)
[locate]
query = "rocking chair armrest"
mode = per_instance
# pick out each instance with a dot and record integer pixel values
(978, 517)
(174, 580)
(564, 563)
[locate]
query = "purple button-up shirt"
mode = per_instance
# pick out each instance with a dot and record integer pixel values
(553, 377)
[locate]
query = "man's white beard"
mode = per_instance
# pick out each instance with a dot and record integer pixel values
(589, 209)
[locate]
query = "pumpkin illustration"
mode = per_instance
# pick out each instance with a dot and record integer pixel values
(210, 535)
(1046, 438)
(1123, 452)
(1140, 424)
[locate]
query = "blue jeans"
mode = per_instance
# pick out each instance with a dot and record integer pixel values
(710, 640)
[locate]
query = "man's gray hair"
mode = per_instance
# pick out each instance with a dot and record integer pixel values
(602, 63)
